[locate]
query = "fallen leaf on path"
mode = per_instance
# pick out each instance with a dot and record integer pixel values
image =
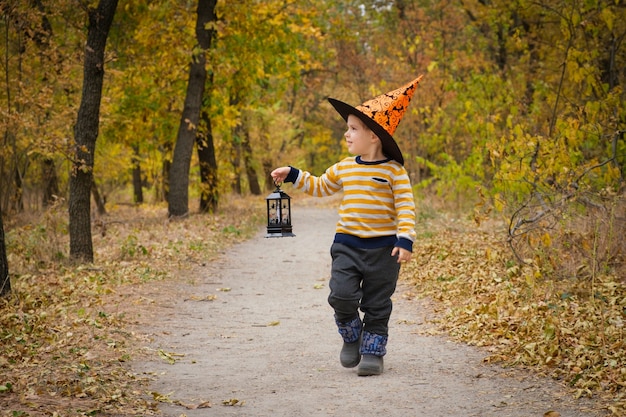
(210, 297)
(270, 324)
(169, 357)
(205, 404)
(552, 414)
(161, 398)
(232, 402)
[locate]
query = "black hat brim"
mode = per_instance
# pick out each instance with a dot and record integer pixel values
(390, 147)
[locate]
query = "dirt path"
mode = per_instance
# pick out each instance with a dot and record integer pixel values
(253, 329)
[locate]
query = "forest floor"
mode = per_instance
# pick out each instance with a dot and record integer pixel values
(250, 334)
(204, 316)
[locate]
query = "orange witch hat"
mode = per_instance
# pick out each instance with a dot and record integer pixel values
(382, 114)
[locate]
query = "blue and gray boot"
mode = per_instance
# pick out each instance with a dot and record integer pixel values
(373, 348)
(350, 355)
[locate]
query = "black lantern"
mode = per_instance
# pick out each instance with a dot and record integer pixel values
(278, 214)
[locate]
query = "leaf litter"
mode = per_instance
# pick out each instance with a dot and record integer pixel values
(569, 330)
(65, 332)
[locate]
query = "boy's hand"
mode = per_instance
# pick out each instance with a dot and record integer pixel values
(403, 254)
(280, 174)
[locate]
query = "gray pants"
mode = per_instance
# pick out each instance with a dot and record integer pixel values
(366, 279)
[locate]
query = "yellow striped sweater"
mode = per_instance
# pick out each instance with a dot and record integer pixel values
(377, 207)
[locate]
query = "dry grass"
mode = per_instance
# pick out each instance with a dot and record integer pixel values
(578, 240)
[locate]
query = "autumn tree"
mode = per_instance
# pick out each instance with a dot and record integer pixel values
(271, 67)
(565, 141)
(37, 101)
(178, 201)
(18, 24)
(520, 98)
(86, 130)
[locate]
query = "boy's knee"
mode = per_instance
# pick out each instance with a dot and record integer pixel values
(344, 307)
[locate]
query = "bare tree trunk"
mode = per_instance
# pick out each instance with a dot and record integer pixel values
(5, 279)
(165, 184)
(99, 200)
(137, 184)
(18, 200)
(178, 201)
(86, 131)
(209, 195)
(268, 166)
(235, 159)
(253, 179)
(162, 190)
(50, 182)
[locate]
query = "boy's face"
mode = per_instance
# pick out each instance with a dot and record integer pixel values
(359, 138)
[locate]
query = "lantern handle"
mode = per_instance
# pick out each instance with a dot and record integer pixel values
(277, 184)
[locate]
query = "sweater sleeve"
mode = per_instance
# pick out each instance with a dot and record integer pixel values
(325, 185)
(405, 209)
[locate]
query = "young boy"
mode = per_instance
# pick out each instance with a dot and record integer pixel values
(375, 232)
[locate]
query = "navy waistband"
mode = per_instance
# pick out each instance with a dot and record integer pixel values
(365, 243)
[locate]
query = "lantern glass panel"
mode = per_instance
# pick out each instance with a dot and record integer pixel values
(273, 211)
(285, 219)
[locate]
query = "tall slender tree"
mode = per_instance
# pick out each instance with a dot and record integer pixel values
(178, 201)
(209, 195)
(5, 280)
(86, 130)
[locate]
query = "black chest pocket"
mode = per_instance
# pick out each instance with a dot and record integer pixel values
(380, 185)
